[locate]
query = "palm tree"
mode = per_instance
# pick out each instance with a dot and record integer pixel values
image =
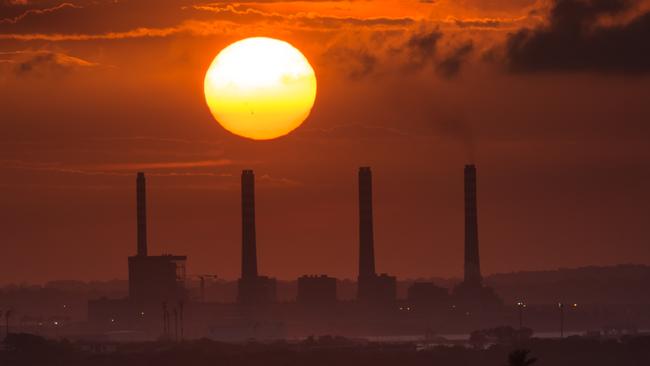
(519, 357)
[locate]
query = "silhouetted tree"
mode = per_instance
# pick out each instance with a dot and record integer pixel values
(478, 339)
(24, 342)
(503, 335)
(523, 334)
(519, 357)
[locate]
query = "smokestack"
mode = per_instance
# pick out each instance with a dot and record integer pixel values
(472, 263)
(366, 240)
(142, 214)
(249, 245)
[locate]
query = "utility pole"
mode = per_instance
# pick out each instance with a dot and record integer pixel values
(181, 308)
(202, 282)
(176, 324)
(164, 309)
(521, 305)
(7, 315)
(202, 278)
(561, 308)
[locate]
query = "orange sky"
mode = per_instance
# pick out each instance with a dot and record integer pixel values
(549, 98)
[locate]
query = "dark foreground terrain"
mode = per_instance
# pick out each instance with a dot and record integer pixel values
(32, 350)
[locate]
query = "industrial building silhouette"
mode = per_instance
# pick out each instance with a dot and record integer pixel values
(253, 289)
(372, 288)
(471, 292)
(472, 261)
(157, 283)
(316, 290)
(153, 279)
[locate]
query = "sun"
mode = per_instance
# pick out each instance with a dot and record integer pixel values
(260, 88)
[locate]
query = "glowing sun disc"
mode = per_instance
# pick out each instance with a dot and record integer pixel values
(260, 88)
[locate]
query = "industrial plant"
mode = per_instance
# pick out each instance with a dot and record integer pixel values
(158, 304)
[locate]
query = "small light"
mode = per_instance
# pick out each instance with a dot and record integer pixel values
(56, 323)
(112, 320)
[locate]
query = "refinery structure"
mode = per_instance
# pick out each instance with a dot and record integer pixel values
(158, 303)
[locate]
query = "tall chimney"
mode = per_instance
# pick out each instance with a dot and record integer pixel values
(366, 241)
(142, 214)
(472, 262)
(249, 245)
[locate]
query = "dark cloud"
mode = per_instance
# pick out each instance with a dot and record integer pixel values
(23, 63)
(409, 53)
(576, 40)
(355, 63)
(422, 47)
(425, 49)
(450, 66)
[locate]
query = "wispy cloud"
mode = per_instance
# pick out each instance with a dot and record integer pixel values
(122, 169)
(54, 167)
(166, 165)
(30, 12)
(190, 27)
(58, 37)
(231, 17)
(156, 139)
(354, 131)
(486, 23)
(282, 181)
(307, 18)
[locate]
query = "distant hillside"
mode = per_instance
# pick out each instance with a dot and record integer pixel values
(622, 284)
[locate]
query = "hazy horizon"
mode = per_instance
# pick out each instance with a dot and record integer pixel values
(93, 91)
